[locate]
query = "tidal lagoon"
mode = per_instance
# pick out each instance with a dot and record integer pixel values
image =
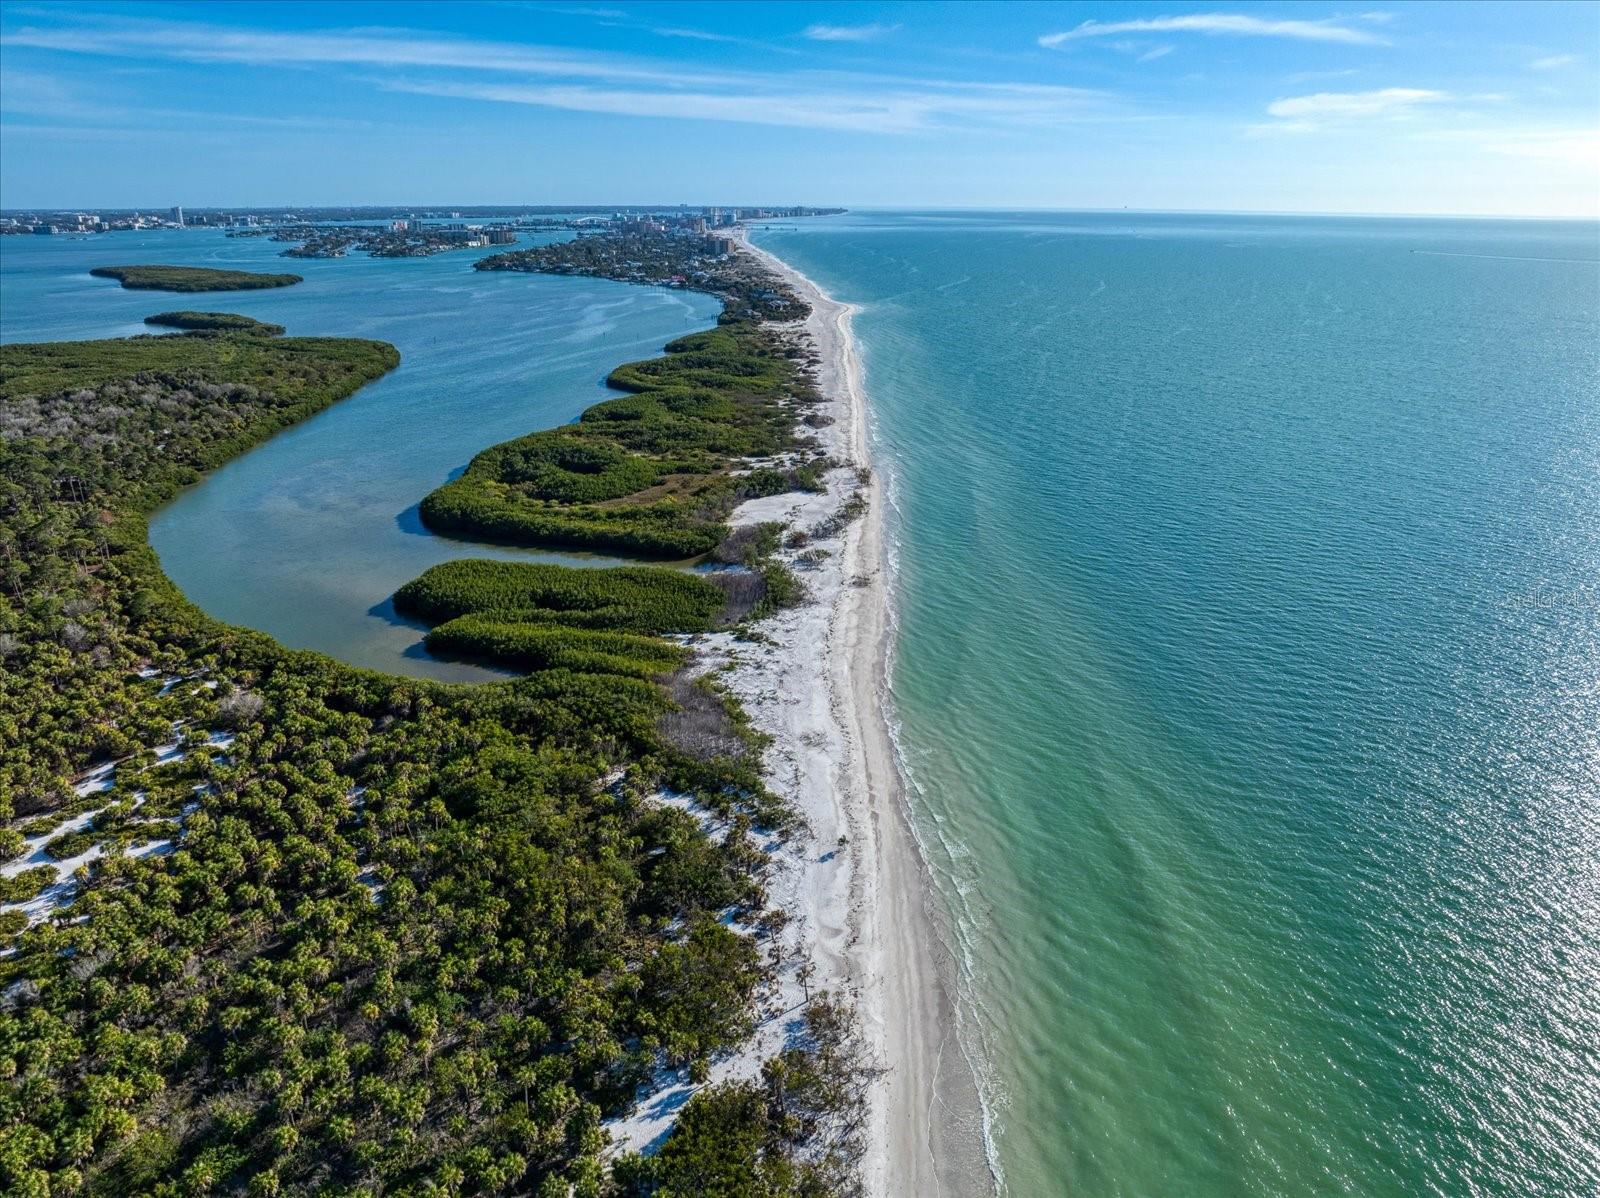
(307, 536)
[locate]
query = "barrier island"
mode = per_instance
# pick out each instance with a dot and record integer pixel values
(191, 278)
(270, 924)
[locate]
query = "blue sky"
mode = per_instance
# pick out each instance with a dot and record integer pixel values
(1428, 108)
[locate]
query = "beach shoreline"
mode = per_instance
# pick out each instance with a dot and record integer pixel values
(863, 921)
(926, 1118)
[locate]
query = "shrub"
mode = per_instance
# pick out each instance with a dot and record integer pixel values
(748, 544)
(20, 887)
(240, 709)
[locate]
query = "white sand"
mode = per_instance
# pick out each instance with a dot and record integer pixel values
(99, 780)
(854, 885)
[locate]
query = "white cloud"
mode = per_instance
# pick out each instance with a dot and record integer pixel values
(1142, 51)
(357, 47)
(1574, 147)
(864, 110)
(30, 94)
(1386, 101)
(1235, 24)
(1554, 62)
(694, 35)
(595, 82)
(847, 33)
(885, 114)
(1308, 76)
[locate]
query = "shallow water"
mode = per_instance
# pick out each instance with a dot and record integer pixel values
(1249, 675)
(308, 535)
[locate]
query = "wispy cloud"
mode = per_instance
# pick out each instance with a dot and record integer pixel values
(1218, 23)
(1554, 62)
(512, 73)
(353, 47)
(1308, 76)
(1385, 101)
(694, 35)
(1574, 147)
(1156, 52)
(907, 109)
(32, 94)
(847, 33)
(614, 18)
(1562, 145)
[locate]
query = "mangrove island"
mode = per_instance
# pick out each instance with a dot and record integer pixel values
(191, 278)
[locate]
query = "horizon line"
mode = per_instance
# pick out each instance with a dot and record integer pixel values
(1131, 211)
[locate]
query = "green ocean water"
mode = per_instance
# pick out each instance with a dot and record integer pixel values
(1248, 675)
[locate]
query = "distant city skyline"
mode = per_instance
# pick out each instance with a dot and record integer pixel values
(1482, 109)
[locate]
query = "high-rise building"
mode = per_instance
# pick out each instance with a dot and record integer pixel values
(177, 216)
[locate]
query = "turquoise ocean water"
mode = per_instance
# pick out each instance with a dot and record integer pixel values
(1249, 676)
(1248, 667)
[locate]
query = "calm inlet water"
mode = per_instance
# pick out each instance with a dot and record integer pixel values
(308, 536)
(1249, 674)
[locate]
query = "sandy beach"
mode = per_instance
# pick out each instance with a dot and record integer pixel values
(862, 913)
(927, 1137)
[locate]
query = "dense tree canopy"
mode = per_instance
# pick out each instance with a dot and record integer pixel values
(345, 933)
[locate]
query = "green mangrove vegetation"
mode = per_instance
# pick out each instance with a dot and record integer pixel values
(539, 646)
(191, 278)
(214, 322)
(653, 473)
(535, 616)
(641, 599)
(347, 933)
(717, 419)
